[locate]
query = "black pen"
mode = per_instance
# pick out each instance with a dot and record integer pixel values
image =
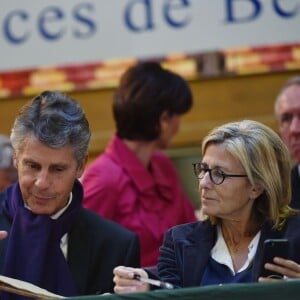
(158, 283)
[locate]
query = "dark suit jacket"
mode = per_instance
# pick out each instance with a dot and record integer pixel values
(186, 250)
(95, 247)
(295, 201)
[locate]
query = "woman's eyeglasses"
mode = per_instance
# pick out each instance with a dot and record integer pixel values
(215, 174)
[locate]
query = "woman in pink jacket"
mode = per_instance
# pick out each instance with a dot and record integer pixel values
(133, 182)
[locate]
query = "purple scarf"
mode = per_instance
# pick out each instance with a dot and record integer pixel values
(33, 252)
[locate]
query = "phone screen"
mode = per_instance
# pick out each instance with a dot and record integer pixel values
(273, 248)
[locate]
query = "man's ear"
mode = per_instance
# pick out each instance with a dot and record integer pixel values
(81, 167)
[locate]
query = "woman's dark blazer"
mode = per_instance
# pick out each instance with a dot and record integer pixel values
(186, 250)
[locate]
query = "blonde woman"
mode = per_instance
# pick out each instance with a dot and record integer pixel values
(244, 183)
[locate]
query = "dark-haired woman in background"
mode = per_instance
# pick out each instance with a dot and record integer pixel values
(132, 182)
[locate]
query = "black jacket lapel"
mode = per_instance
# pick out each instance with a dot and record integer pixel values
(78, 244)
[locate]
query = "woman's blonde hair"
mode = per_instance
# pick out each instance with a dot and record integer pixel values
(266, 162)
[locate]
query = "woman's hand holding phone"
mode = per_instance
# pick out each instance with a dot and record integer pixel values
(288, 268)
(275, 265)
(273, 248)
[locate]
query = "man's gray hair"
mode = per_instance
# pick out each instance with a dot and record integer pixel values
(54, 119)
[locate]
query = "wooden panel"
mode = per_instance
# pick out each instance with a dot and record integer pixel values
(217, 100)
(226, 99)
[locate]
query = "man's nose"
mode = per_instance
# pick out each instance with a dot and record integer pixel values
(42, 180)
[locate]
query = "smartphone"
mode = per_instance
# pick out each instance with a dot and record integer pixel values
(273, 248)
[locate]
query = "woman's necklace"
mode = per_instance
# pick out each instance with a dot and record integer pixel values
(232, 246)
(238, 242)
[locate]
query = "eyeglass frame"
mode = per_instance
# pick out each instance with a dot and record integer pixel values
(223, 174)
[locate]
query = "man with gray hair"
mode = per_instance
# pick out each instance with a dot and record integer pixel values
(8, 173)
(287, 112)
(52, 241)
